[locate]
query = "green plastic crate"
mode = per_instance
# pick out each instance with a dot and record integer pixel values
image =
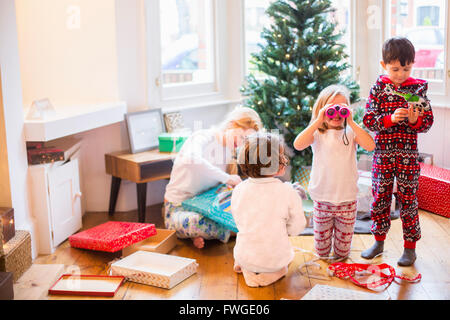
(171, 142)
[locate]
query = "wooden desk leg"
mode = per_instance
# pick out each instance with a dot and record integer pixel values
(115, 186)
(141, 200)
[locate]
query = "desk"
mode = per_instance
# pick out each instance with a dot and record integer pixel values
(140, 168)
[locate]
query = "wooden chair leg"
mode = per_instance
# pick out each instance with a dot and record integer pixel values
(115, 187)
(141, 200)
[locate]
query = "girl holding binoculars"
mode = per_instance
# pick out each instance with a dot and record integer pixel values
(334, 175)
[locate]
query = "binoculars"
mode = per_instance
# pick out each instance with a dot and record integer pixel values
(336, 109)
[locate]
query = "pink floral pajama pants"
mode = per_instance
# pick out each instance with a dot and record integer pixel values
(333, 228)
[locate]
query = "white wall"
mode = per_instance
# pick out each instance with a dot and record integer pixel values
(13, 112)
(436, 141)
(67, 51)
(102, 60)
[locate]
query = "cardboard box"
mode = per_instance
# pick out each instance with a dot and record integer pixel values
(17, 254)
(164, 241)
(154, 269)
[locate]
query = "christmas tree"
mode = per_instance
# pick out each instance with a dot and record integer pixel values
(301, 56)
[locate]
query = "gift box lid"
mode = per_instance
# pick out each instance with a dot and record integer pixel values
(89, 285)
(112, 236)
(435, 172)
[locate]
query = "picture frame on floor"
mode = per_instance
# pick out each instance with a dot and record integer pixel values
(143, 128)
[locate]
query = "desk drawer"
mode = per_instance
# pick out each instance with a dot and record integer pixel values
(156, 170)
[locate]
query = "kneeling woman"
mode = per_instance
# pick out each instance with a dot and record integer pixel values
(204, 161)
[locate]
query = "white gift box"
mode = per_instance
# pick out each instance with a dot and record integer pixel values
(155, 269)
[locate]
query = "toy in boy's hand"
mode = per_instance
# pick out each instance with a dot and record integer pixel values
(411, 98)
(337, 109)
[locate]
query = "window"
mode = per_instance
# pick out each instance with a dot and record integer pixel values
(256, 19)
(186, 41)
(428, 16)
(181, 49)
(425, 25)
(342, 19)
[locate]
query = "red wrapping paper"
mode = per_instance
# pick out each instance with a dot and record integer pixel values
(112, 236)
(434, 190)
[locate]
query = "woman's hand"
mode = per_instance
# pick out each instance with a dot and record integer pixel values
(234, 180)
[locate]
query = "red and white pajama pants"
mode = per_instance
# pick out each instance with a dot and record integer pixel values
(333, 227)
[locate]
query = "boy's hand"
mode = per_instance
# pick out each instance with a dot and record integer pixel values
(413, 114)
(399, 115)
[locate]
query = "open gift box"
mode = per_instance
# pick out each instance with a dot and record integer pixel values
(155, 269)
(164, 241)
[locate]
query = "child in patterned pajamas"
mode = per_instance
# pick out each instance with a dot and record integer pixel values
(204, 161)
(334, 174)
(396, 156)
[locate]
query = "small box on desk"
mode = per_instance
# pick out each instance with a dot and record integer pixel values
(171, 142)
(17, 254)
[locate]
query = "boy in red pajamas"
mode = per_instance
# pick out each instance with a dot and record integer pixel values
(396, 122)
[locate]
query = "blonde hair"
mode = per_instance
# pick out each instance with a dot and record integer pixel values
(244, 118)
(326, 95)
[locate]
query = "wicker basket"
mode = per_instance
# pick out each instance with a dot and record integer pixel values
(17, 254)
(155, 269)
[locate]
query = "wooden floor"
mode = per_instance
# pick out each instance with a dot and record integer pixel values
(216, 279)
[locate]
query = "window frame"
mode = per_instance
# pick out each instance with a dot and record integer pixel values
(188, 93)
(438, 93)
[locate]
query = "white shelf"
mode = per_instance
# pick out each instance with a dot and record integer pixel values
(74, 119)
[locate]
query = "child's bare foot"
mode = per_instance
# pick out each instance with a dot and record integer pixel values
(237, 268)
(233, 234)
(199, 242)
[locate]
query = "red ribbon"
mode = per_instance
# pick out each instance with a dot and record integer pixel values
(348, 270)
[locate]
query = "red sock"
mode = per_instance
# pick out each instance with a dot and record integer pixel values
(380, 238)
(410, 244)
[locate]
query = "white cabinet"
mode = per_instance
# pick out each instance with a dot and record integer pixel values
(56, 202)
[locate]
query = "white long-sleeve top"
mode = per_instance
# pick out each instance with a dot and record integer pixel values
(266, 211)
(200, 165)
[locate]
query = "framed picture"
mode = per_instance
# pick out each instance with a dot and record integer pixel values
(144, 128)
